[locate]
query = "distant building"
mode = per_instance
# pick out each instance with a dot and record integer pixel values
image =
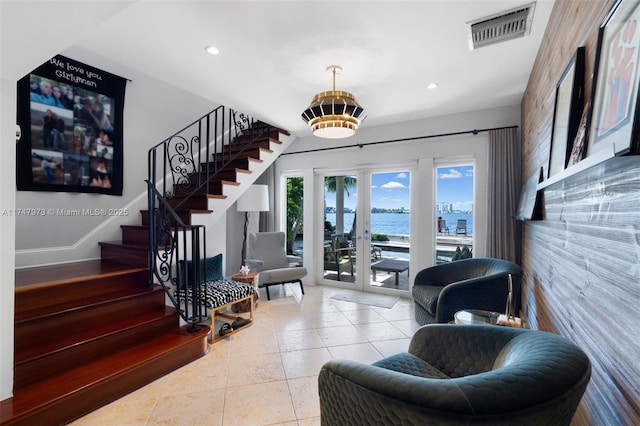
(444, 207)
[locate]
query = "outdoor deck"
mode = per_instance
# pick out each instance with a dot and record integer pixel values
(446, 245)
(399, 250)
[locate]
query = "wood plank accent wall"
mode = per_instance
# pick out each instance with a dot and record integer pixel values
(582, 262)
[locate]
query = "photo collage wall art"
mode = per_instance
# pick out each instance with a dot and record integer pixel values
(71, 120)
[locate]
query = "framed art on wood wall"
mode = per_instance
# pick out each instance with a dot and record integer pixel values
(579, 150)
(567, 111)
(614, 119)
(530, 205)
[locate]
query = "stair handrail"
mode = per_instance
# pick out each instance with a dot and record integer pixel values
(178, 280)
(220, 130)
(188, 165)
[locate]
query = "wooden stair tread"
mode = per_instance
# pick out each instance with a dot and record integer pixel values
(220, 182)
(228, 182)
(68, 340)
(69, 272)
(192, 211)
(84, 303)
(242, 162)
(243, 151)
(252, 140)
(54, 390)
(255, 160)
(120, 243)
(227, 171)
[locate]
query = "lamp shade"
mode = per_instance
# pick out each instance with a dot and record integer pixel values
(255, 199)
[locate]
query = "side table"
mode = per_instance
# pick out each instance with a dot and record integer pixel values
(250, 278)
(476, 316)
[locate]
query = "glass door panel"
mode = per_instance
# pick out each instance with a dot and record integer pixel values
(387, 231)
(339, 251)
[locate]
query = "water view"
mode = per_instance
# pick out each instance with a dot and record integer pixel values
(398, 224)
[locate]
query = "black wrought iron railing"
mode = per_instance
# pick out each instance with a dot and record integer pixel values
(181, 167)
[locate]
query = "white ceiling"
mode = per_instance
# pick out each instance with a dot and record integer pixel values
(274, 53)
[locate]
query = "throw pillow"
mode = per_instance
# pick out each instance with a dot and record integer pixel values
(466, 253)
(457, 254)
(210, 270)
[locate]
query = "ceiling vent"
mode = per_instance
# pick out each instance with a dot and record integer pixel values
(507, 25)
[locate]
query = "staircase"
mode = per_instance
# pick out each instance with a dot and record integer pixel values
(194, 177)
(90, 332)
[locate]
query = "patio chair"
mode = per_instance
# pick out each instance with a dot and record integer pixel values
(339, 256)
(376, 253)
(442, 226)
(339, 260)
(461, 226)
(342, 241)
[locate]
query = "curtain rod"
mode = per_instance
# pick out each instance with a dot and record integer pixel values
(362, 145)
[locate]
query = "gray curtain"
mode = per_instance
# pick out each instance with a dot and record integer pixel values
(268, 219)
(505, 184)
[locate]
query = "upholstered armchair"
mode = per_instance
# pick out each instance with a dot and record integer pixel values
(478, 283)
(267, 255)
(460, 374)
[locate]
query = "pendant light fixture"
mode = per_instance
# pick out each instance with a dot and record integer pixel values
(334, 114)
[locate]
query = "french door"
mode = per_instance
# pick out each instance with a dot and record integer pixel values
(341, 229)
(366, 217)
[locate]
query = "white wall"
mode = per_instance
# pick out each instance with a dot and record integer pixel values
(419, 153)
(153, 110)
(7, 232)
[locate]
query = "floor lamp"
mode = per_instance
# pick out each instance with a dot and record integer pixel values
(255, 199)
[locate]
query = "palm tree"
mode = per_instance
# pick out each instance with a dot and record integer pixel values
(339, 185)
(330, 182)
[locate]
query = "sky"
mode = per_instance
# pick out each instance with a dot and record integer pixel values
(391, 190)
(455, 185)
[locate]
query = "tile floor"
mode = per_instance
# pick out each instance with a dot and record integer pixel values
(267, 374)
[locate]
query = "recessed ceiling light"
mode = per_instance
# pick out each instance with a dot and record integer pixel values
(432, 85)
(212, 50)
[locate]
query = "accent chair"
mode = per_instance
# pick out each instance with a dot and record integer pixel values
(476, 283)
(267, 255)
(460, 375)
